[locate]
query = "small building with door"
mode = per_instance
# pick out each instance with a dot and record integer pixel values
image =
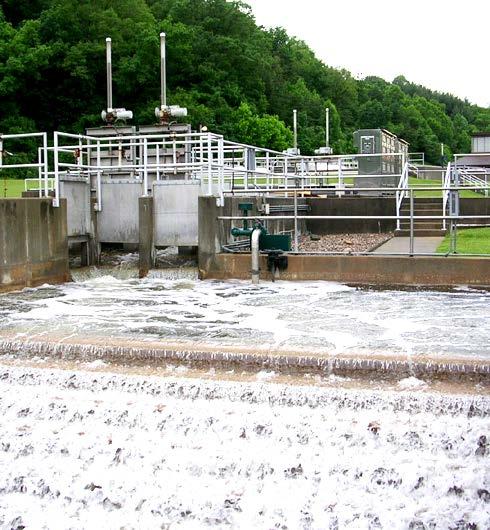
(383, 157)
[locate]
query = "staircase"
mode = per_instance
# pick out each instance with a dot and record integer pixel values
(422, 227)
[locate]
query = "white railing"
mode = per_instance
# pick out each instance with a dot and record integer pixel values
(41, 164)
(401, 193)
(446, 192)
(219, 165)
(474, 177)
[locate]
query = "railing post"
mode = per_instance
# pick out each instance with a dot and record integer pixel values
(267, 168)
(56, 200)
(454, 212)
(46, 166)
(210, 166)
(295, 220)
(157, 160)
(39, 172)
(99, 178)
(221, 169)
(411, 224)
(145, 167)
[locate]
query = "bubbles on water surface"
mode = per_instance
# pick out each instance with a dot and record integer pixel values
(317, 316)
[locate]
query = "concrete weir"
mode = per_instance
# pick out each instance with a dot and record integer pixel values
(33, 243)
(281, 361)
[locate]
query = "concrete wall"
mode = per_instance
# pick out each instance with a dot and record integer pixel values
(351, 206)
(377, 270)
(175, 206)
(33, 243)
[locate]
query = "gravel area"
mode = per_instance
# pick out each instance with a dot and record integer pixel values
(342, 242)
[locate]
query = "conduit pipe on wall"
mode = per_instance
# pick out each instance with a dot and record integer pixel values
(255, 255)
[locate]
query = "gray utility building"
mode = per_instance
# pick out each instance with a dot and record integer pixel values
(480, 149)
(382, 161)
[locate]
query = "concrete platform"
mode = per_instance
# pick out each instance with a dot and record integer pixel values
(396, 245)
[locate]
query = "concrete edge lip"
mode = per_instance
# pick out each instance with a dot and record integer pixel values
(421, 271)
(155, 352)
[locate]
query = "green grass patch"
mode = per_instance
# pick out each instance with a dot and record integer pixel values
(415, 182)
(11, 188)
(468, 241)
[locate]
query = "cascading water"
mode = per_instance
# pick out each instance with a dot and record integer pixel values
(317, 317)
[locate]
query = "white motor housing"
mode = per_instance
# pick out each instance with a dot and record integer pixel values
(172, 111)
(113, 115)
(323, 151)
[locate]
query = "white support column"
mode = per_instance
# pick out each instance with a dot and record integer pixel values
(56, 200)
(210, 166)
(40, 171)
(157, 159)
(221, 168)
(145, 167)
(99, 179)
(45, 165)
(268, 170)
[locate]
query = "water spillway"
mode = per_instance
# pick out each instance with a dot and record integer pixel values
(325, 324)
(170, 402)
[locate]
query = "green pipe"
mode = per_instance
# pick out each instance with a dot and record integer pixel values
(235, 232)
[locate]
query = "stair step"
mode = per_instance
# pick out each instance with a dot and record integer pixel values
(420, 233)
(426, 211)
(422, 208)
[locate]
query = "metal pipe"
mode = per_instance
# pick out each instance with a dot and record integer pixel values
(210, 167)
(327, 127)
(295, 129)
(163, 71)
(109, 73)
(99, 183)
(255, 255)
(360, 217)
(145, 168)
(411, 223)
(56, 200)
(296, 221)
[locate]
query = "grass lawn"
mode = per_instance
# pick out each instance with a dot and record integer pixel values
(469, 241)
(11, 188)
(415, 182)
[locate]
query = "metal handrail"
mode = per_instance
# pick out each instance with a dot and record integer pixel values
(446, 192)
(401, 193)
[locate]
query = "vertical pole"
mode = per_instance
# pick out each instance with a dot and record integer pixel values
(246, 160)
(174, 155)
(109, 72)
(163, 71)
(295, 129)
(221, 169)
(40, 171)
(454, 205)
(99, 178)
(45, 161)
(327, 127)
(56, 202)
(145, 167)
(267, 166)
(295, 220)
(157, 156)
(411, 223)
(285, 172)
(210, 166)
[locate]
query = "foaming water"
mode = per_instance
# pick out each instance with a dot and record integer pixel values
(172, 304)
